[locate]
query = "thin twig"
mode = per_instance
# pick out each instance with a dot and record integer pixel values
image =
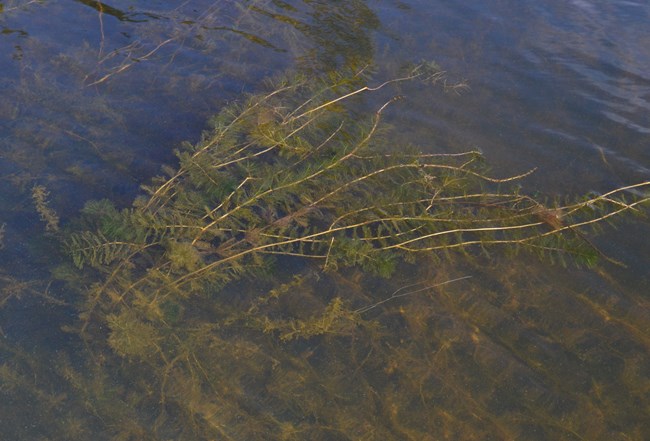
(397, 294)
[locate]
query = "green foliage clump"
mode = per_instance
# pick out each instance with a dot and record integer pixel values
(294, 175)
(48, 215)
(130, 336)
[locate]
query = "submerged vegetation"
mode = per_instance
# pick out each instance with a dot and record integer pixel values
(175, 301)
(183, 335)
(302, 272)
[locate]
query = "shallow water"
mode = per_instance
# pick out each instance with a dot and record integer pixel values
(96, 96)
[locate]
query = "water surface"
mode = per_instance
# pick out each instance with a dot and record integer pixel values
(96, 96)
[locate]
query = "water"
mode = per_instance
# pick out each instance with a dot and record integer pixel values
(95, 98)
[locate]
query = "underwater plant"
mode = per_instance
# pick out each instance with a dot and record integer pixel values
(292, 179)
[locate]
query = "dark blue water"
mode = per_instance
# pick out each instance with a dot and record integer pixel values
(94, 97)
(558, 85)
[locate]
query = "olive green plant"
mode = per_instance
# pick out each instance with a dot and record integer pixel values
(294, 175)
(278, 178)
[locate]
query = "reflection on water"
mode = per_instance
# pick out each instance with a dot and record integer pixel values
(96, 95)
(577, 71)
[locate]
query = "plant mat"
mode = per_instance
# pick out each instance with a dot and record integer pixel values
(256, 291)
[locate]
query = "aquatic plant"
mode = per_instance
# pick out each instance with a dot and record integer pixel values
(273, 178)
(175, 301)
(48, 216)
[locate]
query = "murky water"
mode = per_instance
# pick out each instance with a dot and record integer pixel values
(96, 97)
